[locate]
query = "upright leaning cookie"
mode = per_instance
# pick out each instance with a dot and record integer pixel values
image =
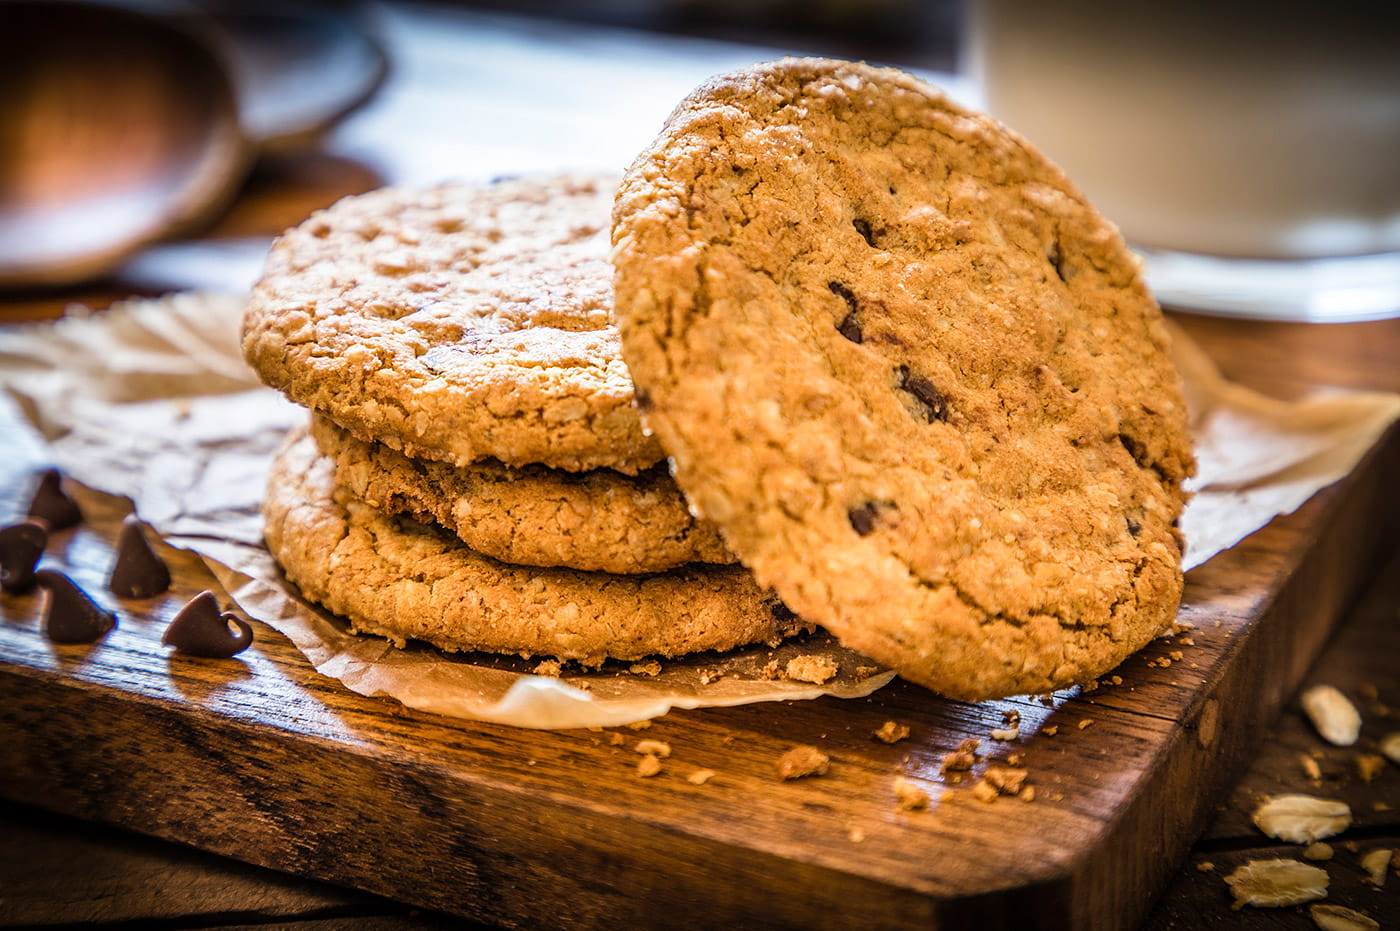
(456, 323)
(914, 377)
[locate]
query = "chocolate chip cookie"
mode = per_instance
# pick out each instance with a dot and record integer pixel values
(600, 521)
(456, 323)
(404, 580)
(912, 374)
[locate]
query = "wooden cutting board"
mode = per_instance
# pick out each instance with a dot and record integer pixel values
(262, 759)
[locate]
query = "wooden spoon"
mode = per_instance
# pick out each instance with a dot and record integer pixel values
(116, 130)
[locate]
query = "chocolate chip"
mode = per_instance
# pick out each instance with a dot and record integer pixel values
(201, 630)
(932, 402)
(862, 518)
(1135, 448)
(849, 326)
(863, 227)
(21, 545)
(643, 399)
(781, 612)
(52, 505)
(1134, 528)
(138, 571)
(70, 614)
(1056, 259)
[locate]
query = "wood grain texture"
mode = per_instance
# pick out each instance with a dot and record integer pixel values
(262, 759)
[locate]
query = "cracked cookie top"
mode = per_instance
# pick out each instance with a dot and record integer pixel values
(911, 374)
(456, 323)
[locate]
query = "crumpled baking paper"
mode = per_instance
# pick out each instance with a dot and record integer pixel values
(151, 400)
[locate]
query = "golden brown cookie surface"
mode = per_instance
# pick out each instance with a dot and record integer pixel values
(403, 580)
(456, 323)
(914, 377)
(598, 521)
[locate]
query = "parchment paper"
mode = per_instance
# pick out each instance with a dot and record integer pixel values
(151, 400)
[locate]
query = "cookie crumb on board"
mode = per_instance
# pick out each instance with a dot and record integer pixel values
(803, 760)
(638, 725)
(1318, 850)
(649, 668)
(549, 667)
(658, 748)
(908, 796)
(700, 777)
(648, 765)
(809, 667)
(1375, 863)
(891, 732)
(1369, 765)
(961, 759)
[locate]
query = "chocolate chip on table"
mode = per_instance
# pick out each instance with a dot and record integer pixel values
(200, 629)
(138, 571)
(70, 614)
(51, 503)
(21, 545)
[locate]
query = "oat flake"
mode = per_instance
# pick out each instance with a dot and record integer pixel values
(1272, 883)
(1302, 819)
(1332, 714)
(1339, 918)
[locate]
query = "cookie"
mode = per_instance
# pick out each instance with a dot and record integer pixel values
(404, 580)
(457, 323)
(910, 372)
(600, 521)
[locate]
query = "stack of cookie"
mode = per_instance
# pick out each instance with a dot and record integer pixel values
(911, 375)
(475, 474)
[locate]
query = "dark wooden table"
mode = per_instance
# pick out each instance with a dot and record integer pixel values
(56, 870)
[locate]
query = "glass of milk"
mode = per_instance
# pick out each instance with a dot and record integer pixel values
(1249, 151)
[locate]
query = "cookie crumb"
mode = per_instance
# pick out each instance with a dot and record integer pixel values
(984, 792)
(1318, 850)
(710, 675)
(801, 761)
(1369, 765)
(1375, 863)
(1005, 779)
(700, 777)
(1116, 680)
(891, 732)
(638, 725)
(1050, 731)
(1013, 759)
(1005, 733)
(855, 835)
(770, 670)
(865, 672)
(1085, 722)
(1176, 655)
(908, 796)
(1310, 767)
(963, 758)
(658, 748)
(1205, 866)
(649, 668)
(549, 667)
(1027, 794)
(810, 667)
(648, 765)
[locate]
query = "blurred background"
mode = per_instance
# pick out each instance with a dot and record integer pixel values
(1249, 150)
